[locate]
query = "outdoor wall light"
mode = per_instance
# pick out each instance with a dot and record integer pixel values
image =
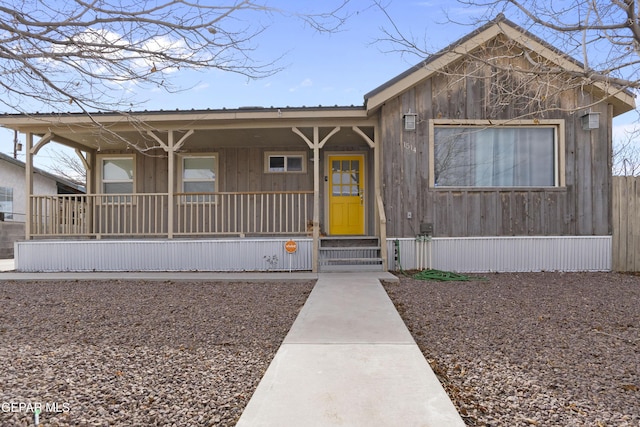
(590, 121)
(410, 119)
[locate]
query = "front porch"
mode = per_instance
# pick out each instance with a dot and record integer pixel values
(229, 179)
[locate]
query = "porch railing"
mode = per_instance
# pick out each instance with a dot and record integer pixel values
(147, 214)
(243, 213)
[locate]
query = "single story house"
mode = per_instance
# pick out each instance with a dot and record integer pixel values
(13, 198)
(479, 158)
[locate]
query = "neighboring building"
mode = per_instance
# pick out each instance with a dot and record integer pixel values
(13, 198)
(441, 165)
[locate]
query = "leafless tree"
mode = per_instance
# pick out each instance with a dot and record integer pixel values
(602, 35)
(626, 155)
(84, 55)
(68, 166)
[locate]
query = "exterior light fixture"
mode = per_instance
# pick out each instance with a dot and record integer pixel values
(410, 119)
(590, 121)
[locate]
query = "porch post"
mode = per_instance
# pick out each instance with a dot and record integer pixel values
(29, 184)
(316, 198)
(88, 162)
(171, 189)
(381, 224)
(171, 147)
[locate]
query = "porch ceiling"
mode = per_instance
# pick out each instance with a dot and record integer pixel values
(207, 139)
(223, 128)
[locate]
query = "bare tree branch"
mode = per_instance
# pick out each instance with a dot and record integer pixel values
(88, 53)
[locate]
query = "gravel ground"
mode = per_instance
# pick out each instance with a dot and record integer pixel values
(124, 353)
(547, 349)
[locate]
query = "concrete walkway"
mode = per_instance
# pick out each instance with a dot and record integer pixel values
(349, 360)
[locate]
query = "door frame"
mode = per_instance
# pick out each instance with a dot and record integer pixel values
(327, 189)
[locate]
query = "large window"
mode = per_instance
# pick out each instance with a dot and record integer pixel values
(496, 156)
(6, 202)
(117, 175)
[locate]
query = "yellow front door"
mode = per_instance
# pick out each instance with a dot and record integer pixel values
(346, 194)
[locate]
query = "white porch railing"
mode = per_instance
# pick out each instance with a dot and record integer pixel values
(147, 214)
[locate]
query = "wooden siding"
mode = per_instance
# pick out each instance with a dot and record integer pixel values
(626, 223)
(581, 207)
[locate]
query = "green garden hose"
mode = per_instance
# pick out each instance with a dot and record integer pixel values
(443, 276)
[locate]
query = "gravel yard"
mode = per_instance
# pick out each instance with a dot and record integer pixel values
(535, 349)
(546, 349)
(123, 353)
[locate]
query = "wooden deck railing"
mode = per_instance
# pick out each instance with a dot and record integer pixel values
(101, 215)
(243, 213)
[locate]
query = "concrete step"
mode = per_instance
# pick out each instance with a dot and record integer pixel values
(350, 268)
(349, 241)
(350, 253)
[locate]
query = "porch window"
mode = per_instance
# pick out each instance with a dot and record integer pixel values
(6, 202)
(496, 156)
(199, 176)
(117, 175)
(289, 162)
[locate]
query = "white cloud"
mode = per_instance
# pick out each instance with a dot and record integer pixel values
(305, 83)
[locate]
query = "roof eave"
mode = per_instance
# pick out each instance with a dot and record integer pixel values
(621, 99)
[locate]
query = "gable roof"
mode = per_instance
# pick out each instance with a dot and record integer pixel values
(621, 99)
(65, 186)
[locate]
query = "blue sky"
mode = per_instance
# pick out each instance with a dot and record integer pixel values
(318, 69)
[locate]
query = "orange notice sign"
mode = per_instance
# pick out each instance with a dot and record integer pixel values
(291, 246)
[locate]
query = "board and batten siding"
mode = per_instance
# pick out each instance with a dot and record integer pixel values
(626, 223)
(581, 207)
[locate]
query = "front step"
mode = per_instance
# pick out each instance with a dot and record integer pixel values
(352, 253)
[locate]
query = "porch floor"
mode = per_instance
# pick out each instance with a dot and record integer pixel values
(349, 360)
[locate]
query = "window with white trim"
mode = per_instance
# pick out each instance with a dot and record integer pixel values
(285, 162)
(526, 155)
(6, 202)
(117, 175)
(198, 174)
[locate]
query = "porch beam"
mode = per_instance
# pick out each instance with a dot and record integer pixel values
(182, 140)
(83, 159)
(164, 146)
(304, 137)
(326, 138)
(46, 138)
(364, 136)
(71, 144)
